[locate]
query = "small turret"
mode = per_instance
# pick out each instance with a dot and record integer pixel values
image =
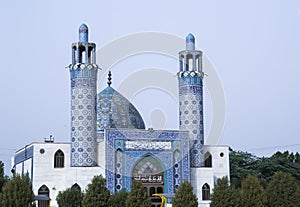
(83, 51)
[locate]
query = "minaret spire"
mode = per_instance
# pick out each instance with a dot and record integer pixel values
(83, 75)
(190, 77)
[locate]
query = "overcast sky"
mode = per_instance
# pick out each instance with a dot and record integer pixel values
(253, 45)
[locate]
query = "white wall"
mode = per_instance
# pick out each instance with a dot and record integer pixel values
(209, 175)
(58, 179)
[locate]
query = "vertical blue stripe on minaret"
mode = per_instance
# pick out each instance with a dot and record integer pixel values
(191, 99)
(83, 75)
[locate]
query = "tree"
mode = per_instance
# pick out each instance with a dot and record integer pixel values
(252, 193)
(96, 194)
(137, 196)
(297, 157)
(286, 162)
(241, 165)
(3, 178)
(184, 196)
(71, 197)
(223, 195)
(118, 199)
(17, 192)
(283, 190)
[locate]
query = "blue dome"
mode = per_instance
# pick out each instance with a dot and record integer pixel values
(190, 37)
(115, 111)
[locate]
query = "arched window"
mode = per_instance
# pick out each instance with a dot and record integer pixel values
(43, 196)
(160, 190)
(207, 160)
(76, 187)
(59, 159)
(189, 62)
(152, 191)
(205, 192)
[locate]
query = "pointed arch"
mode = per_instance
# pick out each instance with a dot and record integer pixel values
(148, 164)
(205, 192)
(207, 159)
(59, 159)
(44, 199)
(150, 171)
(76, 187)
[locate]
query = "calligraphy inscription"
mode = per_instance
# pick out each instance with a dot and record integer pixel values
(147, 145)
(157, 179)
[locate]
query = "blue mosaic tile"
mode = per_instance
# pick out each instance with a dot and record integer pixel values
(115, 111)
(117, 139)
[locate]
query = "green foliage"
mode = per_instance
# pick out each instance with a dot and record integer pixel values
(283, 191)
(17, 192)
(71, 197)
(118, 199)
(223, 195)
(252, 193)
(241, 165)
(184, 196)
(96, 194)
(137, 196)
(285, 162)
(3, 178)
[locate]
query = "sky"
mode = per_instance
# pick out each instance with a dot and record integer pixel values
(253, 46)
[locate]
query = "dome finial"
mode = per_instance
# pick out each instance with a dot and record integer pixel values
(190, 37)
(190, 42)
(83, 33)
(109, 78)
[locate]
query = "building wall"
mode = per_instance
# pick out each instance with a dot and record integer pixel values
(56, 179)
(209, 175)
(160, 144)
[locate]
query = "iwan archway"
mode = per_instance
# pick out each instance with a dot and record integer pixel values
(151, 173)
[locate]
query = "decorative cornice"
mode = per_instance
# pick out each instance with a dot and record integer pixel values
(82, 66)
(191, 73)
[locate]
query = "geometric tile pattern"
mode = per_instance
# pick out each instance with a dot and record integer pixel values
(191, 114)
(116, 143)
(115, 111)
(83, 117)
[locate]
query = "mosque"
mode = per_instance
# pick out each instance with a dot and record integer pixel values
(108, 136)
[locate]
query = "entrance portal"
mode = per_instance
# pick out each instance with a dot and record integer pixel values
(151, 173)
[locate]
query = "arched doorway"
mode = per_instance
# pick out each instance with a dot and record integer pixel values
(43, 199)
(151, 173)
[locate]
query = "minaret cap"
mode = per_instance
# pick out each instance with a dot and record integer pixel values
(83, 33)
(190, 42)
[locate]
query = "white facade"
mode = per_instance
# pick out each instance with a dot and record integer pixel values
(40, 168)
(209, 175)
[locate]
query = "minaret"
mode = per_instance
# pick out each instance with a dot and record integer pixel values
(190, 79)
(83, 75)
